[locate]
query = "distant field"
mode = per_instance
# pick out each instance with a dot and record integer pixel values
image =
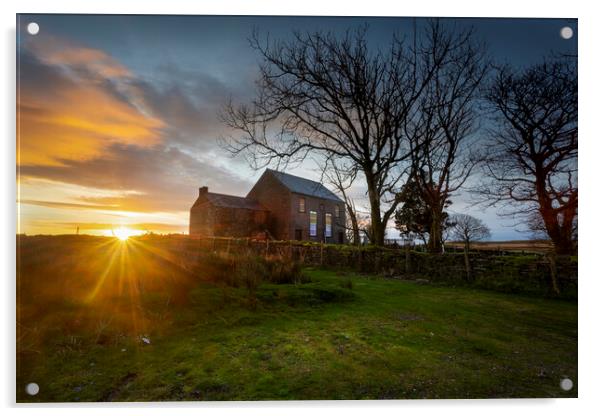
(539, 246)
(101, 320)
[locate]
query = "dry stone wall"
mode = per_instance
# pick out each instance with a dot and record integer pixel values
(506, 272)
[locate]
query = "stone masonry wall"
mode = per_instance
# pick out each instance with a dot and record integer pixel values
(507, 272)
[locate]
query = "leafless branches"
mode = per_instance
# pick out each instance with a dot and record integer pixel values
(467, 229)
(532, 166)
(333, 96)
(342, 177)
(443, 130)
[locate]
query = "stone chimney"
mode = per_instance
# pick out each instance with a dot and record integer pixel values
(203, 190)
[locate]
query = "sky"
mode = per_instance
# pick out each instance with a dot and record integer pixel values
(118, 115)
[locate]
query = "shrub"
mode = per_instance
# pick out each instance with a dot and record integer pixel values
(248, 271)
(217, 268)
(282, 270)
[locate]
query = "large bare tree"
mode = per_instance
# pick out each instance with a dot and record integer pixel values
(532, 167)
(334, 97)
(443, 131)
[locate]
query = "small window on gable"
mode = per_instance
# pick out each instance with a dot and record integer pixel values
(301, 204)
(337, 212)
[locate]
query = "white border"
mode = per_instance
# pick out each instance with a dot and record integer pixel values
(590, 347)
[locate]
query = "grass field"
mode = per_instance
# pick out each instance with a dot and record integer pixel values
(84, 306)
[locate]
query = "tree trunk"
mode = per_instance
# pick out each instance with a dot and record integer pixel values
(378, 227)
(563, 246)
(378, 230)
(563, 241)
(435, 234)
(561, 236)
(561, 233)
(354, 225)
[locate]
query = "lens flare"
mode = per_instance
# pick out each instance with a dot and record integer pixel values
(124, 233)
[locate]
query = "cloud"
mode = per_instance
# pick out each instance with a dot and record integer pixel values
(72, 57)
(64, 117)
(97, 140)
(54, 204)
(153, 226)
(155, 179)
(188, 102)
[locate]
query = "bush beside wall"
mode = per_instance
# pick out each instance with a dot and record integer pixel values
(505, 272)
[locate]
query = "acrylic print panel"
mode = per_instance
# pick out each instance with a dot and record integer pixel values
(295, 208)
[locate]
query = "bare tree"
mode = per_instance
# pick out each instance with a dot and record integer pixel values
(443, 131)
(334, 97)
(342, 178)
(532, 167)
(466, 228)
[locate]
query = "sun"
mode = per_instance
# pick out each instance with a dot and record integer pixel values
(123, 233)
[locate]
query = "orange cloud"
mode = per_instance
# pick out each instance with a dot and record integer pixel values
(69, 107)
(98, 144)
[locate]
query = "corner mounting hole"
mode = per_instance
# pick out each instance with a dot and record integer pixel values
(32, 389)
(33, 28)
(566, 32)
(566, 384)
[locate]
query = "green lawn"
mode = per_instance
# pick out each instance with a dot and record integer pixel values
(379, 339)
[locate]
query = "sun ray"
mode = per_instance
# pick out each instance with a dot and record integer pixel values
(113, 256)
(164, 255)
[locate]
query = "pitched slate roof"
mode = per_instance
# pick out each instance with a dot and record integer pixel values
(304, 186)
(230, 201)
